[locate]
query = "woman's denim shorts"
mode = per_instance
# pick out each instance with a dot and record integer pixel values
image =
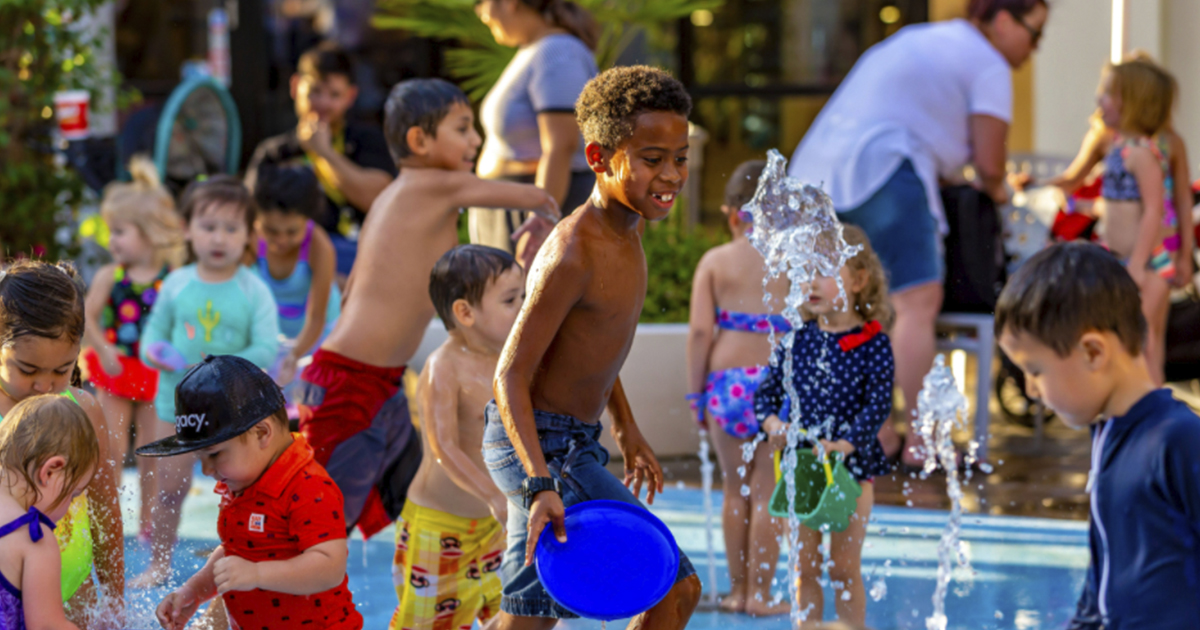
(902, 230)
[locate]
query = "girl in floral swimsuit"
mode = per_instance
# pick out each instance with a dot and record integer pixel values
(146, 241)
(728, 347)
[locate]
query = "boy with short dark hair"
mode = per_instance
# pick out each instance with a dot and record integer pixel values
(349, 158)
(450, 537)
(349, 410)
(282, 559)
(1071, 320)
(559, 369)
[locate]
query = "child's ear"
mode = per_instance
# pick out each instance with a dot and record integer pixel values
(464, 315)
(417, 141)
(597, 157)
(860, 279)
(51, 467)
(1097, 350)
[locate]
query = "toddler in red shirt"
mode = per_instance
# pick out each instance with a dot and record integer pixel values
(282, 559)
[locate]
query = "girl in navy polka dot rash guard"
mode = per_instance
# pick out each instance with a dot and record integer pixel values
(842, 369)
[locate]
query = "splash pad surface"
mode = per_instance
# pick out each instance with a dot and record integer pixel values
(1028, 571)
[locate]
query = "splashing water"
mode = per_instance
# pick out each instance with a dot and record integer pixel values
(800, 238)
(941, 408)
(706, 480)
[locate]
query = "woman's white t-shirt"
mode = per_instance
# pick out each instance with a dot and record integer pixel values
(910, 96)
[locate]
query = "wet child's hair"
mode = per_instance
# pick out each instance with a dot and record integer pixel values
(611, 102)
(40, 299)
(464, 273)
(41, 427)
(417, 103)
(324, 61)
(1067, 290)
(146, 204)
(287, 189)
(872, 302)
(739, 190)
(1147, 93)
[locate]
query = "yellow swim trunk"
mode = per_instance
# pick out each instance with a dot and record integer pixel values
(445, 569)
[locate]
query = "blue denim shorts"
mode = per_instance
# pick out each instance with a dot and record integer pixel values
(902, 230)
(576, 459)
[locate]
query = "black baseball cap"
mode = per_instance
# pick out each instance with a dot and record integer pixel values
(218, 399)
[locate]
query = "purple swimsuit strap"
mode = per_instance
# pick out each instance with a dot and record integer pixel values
(307, 241)
(33, 519)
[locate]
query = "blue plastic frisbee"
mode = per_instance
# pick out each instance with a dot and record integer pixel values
(619, 560)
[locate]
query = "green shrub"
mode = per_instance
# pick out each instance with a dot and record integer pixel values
(41, 53)
(672, 253)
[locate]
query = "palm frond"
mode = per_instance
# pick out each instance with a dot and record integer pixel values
(479, 61)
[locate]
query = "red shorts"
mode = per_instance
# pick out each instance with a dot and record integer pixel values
(355, 416)
(136, 382)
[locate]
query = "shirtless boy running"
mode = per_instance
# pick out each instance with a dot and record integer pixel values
(559, 369)
(450, 536)
(430, 130)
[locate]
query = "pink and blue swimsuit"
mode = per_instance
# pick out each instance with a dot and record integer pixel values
(12, 612)
(729, 394)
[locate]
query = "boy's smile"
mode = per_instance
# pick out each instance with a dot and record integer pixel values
(647, 171)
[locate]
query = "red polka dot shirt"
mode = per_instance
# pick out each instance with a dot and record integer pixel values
(293, 506)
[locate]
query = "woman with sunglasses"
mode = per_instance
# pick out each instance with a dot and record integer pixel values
(914, 109)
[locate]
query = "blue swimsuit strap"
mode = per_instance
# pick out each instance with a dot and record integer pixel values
(752, 322)
(33, 519)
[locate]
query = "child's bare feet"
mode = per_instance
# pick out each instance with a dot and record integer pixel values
(733, 603)
(153, 577)
(766, 606)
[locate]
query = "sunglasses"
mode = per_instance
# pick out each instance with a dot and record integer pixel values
(1035, 34)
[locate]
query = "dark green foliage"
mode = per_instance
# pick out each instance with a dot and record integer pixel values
(478, 61)
(672, 253)
(41, 52)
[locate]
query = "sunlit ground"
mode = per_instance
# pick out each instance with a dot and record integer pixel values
(1026, 571)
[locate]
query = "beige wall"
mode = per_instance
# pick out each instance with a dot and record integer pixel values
(1181, 53)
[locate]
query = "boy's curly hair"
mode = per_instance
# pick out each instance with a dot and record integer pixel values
(611, 102)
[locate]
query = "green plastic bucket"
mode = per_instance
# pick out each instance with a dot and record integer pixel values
(826, 495)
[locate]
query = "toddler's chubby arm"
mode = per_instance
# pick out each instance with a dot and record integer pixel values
(701, 321)
(439, 407)
(178, 607)
(319, 568)
(93, 333)
(557, 283)
(264, 329)
(158, 325)
(41, 585)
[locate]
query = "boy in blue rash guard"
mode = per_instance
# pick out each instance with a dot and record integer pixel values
(1070, 318)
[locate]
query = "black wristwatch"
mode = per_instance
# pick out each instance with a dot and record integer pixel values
(532, 486)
